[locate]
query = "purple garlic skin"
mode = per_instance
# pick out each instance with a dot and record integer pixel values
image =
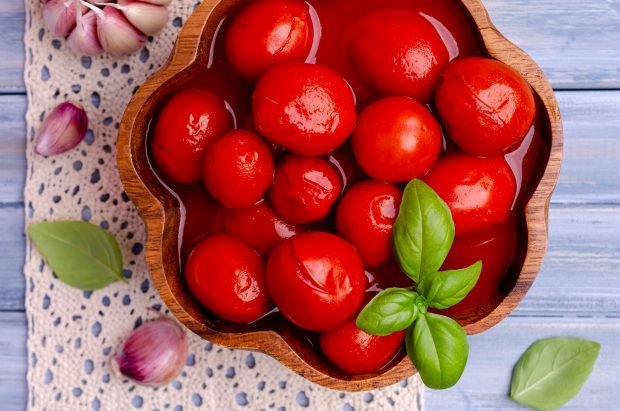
(63, 129)
(154, 354)
(116, 34)
(83, 39)
(60, 16)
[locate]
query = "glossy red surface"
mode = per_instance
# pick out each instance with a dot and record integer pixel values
(345, 163)
(479, 191)
(267, 33)
(316, 280)
(258, 227)
(396, 139)
(309, 109)
(398, 53)
(486, 107)
(357, 352)
(238, 169)
(365, 217)
(187, 125)
(201, 211)
(388, 275)
(228, 278)
(304, 189)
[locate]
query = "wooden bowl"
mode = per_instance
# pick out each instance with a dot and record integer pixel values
(162, 212)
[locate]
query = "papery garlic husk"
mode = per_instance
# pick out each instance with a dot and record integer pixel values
(116, 34)
(154, 354)
(84, 39)
(60, 16)
(63, 129)
(164, 3)
(148, 18)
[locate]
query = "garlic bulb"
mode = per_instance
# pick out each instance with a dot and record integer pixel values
(59, 16)
(148, 18)
(83, 39)
(63, 129)
(154, 354)
(116, 34)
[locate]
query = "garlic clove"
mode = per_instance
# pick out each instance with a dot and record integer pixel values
(63, 129)
(164, 3)
(84, 39)
(60, 16)
(116, 34)
(154, 354)
(148, 18)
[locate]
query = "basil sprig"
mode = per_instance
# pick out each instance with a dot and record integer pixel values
(422, 237)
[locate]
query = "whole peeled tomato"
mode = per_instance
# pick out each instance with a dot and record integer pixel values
(396, 140)
(306, 108)
(228, 278)
(388, 275)
(358, 352)
(258, 226)
(186, 126)
(201, 215)
(345, 163)
(495, 247)
(316, 280)
(304, 189)
(486, 106)
(267, 33)
(238, 169)
(398, 53)
(365, 218)
(480, 192)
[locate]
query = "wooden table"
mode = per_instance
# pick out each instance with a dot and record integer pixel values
(577, 43)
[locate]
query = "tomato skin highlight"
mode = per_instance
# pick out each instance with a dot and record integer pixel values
(190, 121)
(258, 226)
(358, 352)
(304, 189)
(398, 53)
(228, 278)
(238, 169)
(201, 216)
(267, 33)
(486, 107)
(396, 139)
(366, 216)
(316, 280)
(479, 191)
(306, 108)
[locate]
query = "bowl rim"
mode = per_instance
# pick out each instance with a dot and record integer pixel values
(157, 216)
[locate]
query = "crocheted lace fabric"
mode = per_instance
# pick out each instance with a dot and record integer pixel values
(72, 334)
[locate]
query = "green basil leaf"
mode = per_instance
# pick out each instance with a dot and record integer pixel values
(438, 347)
(447, 288)
(82, 255)
(423, 232)
(390, 311)
(552, 371)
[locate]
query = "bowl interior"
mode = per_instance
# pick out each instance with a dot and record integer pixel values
(195, 63)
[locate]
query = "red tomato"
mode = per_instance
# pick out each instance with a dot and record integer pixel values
(396, 140)
(267, 33)
(479, 191)
(357, 352)
(187, 125)
(398, 53)
(304, 189)
(486, 106)
(258, 227)
(238, 169)
(316, 280)
(200, 218)
(228, 278)
(495, 246)
(307, 108)
(388, 275)
(344, 162)
(365, 218)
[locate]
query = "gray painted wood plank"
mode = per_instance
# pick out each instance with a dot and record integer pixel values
(483, 386)
(590, 172)
(566, 37)
(12, 257)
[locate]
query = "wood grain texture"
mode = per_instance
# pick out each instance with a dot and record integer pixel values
(161, 211)
(564, 36)
(13, 389)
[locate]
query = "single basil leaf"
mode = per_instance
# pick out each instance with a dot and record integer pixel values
(552, 371)
(447, 288)
(390, 311)
(438, 347)
(423, 232)
(82, 255)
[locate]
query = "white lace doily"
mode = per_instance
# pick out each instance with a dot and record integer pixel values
(72, 334)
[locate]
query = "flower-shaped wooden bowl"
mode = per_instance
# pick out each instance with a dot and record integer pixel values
(162, 212)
